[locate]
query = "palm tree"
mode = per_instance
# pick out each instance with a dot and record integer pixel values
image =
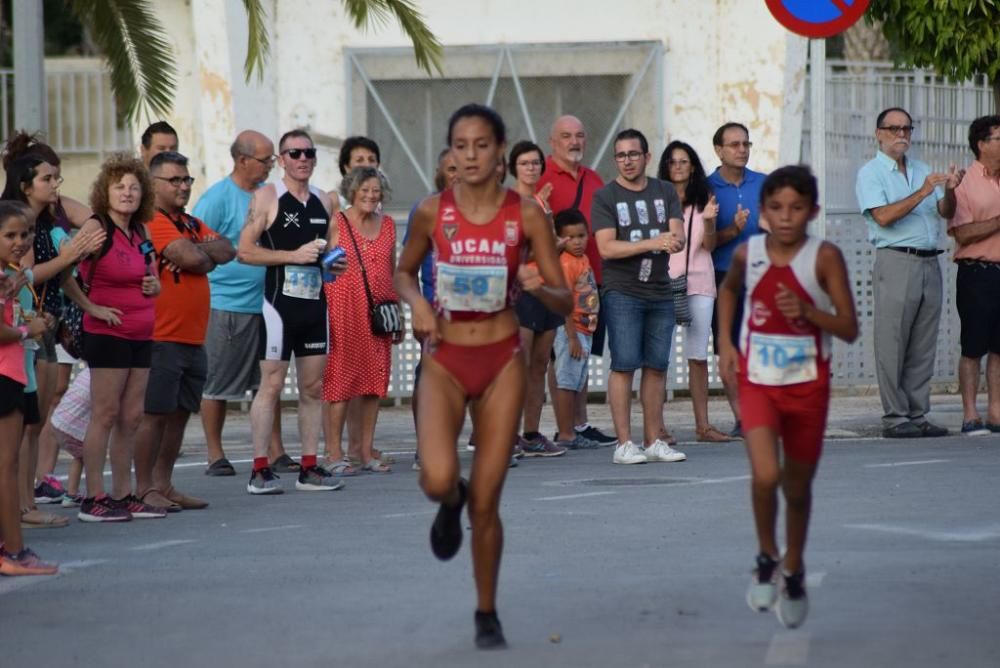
(142, 72)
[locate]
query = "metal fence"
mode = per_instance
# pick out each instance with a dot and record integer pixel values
(83, 117)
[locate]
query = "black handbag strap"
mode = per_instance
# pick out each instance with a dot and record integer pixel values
(687, 257)
(579, 190)
(364, 274)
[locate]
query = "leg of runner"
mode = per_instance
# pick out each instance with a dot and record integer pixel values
(765, 476)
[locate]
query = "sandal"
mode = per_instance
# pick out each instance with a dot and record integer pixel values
(712, 435)
(220, 467)
(382, 457)
(160, 501)
(668, 437)
(340, 468)
(36, 519)
(285, 464)
(375, 466)
(184, 501)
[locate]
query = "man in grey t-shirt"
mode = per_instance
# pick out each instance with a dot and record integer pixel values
(637, 223)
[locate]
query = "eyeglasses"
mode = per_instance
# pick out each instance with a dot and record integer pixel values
(296, 153)
(528, 163)
(267, 162)
(738, 144)
(630, 156)
(177, 181)
(678, 163)
(898, 129)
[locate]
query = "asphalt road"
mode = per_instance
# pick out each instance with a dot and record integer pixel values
(604, 566)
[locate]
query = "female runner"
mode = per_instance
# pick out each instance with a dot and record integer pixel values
(480, 232)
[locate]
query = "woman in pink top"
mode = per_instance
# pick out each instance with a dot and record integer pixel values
(122, 275)
(680, 165)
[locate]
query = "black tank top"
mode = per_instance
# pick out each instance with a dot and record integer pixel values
(296, 291)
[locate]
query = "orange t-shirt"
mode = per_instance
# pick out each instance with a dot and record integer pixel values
(580, 279)
(182, 307)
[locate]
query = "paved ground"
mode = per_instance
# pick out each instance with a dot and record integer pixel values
(624, 566)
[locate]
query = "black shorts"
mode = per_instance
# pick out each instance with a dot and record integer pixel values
(977, 296)
(31, 412)
(176, 378)
(720, 276)
(533, 314)
(103, 351)
(11, 396)
(281, 337)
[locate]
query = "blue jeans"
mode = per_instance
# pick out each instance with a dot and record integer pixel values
(640, 331)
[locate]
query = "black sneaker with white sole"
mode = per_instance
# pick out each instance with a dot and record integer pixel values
(489, 632)
(446, 532)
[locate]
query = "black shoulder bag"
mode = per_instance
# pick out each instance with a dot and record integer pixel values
(679, 285)
(386, 317)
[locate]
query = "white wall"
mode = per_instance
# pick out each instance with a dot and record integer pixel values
(724, 60)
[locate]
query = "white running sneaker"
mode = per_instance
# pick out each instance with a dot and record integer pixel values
(793, 602)
(659, 451)
(628, 453)
(763, 590)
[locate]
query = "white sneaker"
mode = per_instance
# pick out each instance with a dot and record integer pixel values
(791, 612)
(628, 453)
(659, 451)
(763, 590)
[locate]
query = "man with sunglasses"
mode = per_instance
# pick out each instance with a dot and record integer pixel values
(187, 251)
(737, 191)
(234, 324)
(286, 230)
(903, 202)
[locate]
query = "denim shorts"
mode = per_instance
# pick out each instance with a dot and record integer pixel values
(640, 331)
(571, 373)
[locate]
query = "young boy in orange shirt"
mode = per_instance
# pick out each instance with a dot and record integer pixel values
(572, 344)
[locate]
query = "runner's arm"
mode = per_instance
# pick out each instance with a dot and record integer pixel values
(538, 230)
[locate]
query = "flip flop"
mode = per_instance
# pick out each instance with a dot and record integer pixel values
(382, 457)
(285, 464)
(713, 435)
(220, 467)
(184, 501)
(375, 466)
(169, 506)
(342, 469)
(36, 519)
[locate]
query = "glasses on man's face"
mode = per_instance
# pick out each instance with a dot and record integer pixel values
(630, 156)
(177, 181)
(736, 145)
(898, 129)
(267, 162)
(678, 163)
(296, 153)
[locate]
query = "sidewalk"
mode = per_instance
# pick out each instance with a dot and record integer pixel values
(853, 416)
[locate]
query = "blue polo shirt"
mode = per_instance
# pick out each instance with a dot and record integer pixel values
(235, 286)
(730, 196)
(427, 266)
(880, 182)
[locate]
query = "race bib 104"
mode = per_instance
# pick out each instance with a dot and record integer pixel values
(302, 282)
(780, 359)
(479, 289)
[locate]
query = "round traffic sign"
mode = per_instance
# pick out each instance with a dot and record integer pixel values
(817, 18)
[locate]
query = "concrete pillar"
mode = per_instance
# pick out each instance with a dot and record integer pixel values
(30, 110)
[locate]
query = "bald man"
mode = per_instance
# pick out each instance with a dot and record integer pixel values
(234, 324)
(573, 187)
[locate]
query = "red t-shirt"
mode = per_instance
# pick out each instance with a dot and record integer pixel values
(183, 305)
(564, 187)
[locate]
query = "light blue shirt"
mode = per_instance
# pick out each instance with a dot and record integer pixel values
(881, 182)
(730, 196)
(235, 286)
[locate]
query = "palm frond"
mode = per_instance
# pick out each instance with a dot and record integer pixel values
(141, 60)
(258, 41)
(426, 47)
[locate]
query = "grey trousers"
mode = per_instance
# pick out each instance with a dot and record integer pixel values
(907, 296)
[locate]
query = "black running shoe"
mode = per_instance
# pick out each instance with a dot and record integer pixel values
(446, 532)
(489, 633)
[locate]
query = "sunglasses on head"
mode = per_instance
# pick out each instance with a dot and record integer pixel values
(296, 153)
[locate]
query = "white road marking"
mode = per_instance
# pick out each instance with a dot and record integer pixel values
(161, 544)
(283, 527)
(966, 536)
(420, 513)
(911, 463)
(788, 648)
(564, 497)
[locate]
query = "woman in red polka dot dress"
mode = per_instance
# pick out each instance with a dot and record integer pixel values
(359, 362)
